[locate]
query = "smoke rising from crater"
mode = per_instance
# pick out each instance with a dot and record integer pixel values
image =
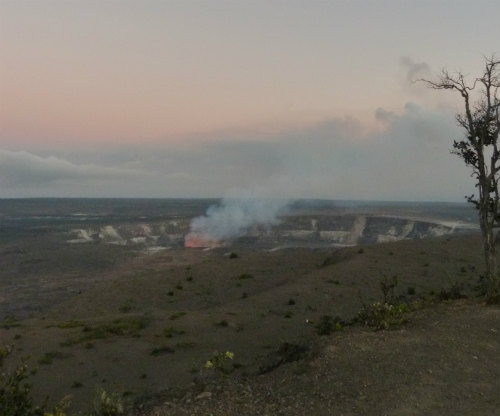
(233, 218)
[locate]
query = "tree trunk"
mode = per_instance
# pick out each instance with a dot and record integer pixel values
(490, 259)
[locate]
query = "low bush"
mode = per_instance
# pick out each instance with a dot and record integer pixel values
(219, 362)
(383, 315)
(16, 396)
(454, 292)
(327, 325)
(108, 404)
(15, 391)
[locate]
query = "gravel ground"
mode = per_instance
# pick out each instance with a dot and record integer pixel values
(443, 362)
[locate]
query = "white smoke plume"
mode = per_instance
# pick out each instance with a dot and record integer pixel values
(233, 218)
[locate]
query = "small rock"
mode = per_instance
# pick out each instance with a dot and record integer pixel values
(204, 395)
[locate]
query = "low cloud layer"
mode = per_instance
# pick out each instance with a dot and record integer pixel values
(406, 158)
(26, 174)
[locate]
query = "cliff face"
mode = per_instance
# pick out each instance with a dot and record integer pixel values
(293, 230)
(363, 229)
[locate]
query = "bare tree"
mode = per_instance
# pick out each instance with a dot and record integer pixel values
(479, 150)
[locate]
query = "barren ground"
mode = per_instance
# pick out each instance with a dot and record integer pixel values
(145, 327)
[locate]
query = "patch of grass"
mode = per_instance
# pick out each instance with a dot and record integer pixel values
(125, 308)
(291, 302)
(10, 322)
(128, 326)
(185, 344)
(233, 255)
(245, 276)
(48, 357)
(411, 291)
(171, 332)
(176, 315)
(179, 286)
(161, 351)
(120, 327)
(70, 324)
(222, 323)
(333, 281)
(76, 385)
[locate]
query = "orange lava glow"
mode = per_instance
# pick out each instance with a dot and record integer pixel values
(195, 241)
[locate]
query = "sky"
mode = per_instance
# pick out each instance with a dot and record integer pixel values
(213, 98)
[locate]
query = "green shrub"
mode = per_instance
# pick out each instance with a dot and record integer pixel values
(15, 391)
(107, 404)
(383, 315)
(327, 325)
(218, 362)
(454, 292)
(16, 397)
(387, 287)
(489, 289)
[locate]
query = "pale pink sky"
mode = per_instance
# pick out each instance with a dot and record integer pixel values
(100, 74)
